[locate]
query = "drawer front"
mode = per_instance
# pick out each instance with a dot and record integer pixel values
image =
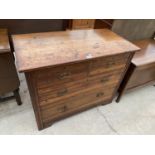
(106, 64)
(60, 107)
(61, 74)
(111, 78)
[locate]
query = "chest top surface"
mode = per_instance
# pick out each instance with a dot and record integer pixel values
(39, 50)
(4, 41)
(147, 53)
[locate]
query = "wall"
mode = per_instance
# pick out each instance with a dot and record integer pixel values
(134, 29)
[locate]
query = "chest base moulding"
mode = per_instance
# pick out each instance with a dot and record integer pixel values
(71, 71)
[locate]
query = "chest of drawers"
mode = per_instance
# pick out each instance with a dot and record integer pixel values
(68, 72)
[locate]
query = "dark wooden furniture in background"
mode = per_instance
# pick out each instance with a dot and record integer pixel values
(142, 68)
(103, 23)
(20, 26)
(71, 71)
(9, 81)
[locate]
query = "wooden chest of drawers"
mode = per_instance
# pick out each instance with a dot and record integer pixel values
(68, 72)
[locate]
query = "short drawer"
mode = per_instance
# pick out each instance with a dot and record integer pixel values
(106, 64)
(61, 74)
(108, 79)
(60, 107)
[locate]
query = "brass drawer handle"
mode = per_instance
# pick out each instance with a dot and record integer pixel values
(104, 79)
(111, 63)
(63, 108)
(63, 75)
(62, 92)
(99, 94)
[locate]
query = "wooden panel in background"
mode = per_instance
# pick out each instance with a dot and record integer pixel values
(4, 41)
(83, 23)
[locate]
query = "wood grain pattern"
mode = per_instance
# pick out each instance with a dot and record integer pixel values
(84, 91)
(56, 48)
(4, 41)
(34, 98)
(92, 96)
(56, 91)
(82, 23)
(68, 72)
(71, 87)
(75, 111)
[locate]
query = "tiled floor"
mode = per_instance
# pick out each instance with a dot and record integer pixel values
(135, 114)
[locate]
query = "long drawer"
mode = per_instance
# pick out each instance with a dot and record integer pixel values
(58, 107)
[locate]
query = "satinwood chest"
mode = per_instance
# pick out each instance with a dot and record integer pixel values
(71, 71)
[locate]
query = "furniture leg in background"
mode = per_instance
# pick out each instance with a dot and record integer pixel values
(17, 96)
(9, 81)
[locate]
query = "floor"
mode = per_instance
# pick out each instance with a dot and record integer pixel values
(135, 114)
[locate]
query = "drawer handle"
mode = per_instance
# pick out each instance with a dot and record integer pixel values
(63, 108)
(64, 75)
(109, 64)
(104, 79)
(62, 92)
(99, 94)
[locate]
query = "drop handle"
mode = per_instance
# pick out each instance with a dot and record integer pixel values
(62, 92)
(63, 108)
(109, 64)
(63, 75)
(99, 94)
(104, 79)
